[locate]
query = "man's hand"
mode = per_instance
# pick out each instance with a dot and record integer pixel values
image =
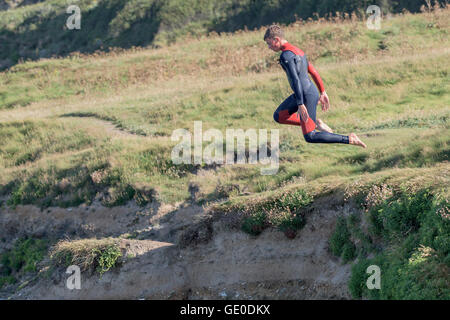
(324, 101)
(303, 113)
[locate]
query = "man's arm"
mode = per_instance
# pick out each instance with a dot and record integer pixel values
(317, 79)
(324, 100)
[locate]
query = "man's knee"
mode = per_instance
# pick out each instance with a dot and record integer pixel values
(276, 117)
(309, 137)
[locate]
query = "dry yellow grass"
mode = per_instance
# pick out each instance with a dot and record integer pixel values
(83, 253)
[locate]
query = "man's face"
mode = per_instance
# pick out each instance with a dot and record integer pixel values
(274, 44)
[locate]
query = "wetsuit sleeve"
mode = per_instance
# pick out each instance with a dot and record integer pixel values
(315, 75)
(289, 66)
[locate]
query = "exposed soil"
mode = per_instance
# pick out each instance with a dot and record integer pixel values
(185, 252)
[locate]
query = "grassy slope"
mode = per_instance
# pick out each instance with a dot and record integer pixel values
(34, 31)
(393, 98)
(100, 125)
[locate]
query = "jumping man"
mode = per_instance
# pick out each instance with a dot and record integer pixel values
(305, 96)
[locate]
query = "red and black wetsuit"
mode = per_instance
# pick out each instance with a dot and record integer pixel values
(294, 62)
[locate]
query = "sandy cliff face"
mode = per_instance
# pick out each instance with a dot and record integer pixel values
(187, 253)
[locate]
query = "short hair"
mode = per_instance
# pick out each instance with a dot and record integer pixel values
(273, 31)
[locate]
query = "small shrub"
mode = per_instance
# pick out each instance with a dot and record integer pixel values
(7, 280)
(254, 224)
(414, 264)
(89, 254)
(25, 255)
(358, 278)
(290, 224)
(119, 195)
(348, 252)
(398, 216)
(293, 201)
(340, 237)
(282, 211)
(376, 195)
(22, 258)
(107, 258)
(159, 161)
(144, 196)
(226, 190)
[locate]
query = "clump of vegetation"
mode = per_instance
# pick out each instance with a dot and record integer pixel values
(289, 224)
(289, 200)
(400, 215)
(23, 258)
(255, 223)
(281, 211)
(160, 160)
(74, 186)
(107, 258)
(226, 190)
(348, 252)
(417, 275)
(413, 230)
(88, 254)
(340, 243)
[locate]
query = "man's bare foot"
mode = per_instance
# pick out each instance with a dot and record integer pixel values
(353, 139)
(322, 126)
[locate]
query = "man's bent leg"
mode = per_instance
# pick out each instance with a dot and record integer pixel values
(286, 113)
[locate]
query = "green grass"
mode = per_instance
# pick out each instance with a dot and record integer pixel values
(58, 78)
(29, 141)
(140, 165)
(284, 211)
(340, 243)
(411, 232)
(21, 259)
(107, 258)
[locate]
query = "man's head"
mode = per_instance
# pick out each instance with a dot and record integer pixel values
(274, 37)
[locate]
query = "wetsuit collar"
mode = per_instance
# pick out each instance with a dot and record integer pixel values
(289, 47)
(285, 46)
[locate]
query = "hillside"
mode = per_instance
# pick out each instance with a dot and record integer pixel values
(34, 29)
(85, 166)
